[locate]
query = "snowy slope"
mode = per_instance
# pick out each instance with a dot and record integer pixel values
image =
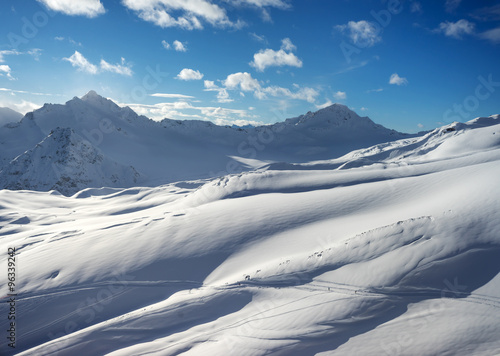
(394, 254)
(65, 162)
(169, 151)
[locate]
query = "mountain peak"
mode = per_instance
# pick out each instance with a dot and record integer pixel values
(335, 115)
(91, 95)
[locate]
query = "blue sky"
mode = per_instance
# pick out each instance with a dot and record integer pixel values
(409, 65)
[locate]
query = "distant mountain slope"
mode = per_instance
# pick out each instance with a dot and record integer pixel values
(173, 150)
(452, 140)
(66, 162)
(8, 115)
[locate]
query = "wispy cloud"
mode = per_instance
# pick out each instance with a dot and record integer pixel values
(35, 53)
(185, 110)
(258, 38)
(78, 61)
(456, 29)
(177, 45)
(7, 53)
(362, 33)
(122, 68)
(165, 44)
(263, 6)
(340, 95)
(492, 35)
(88, 8)
(12, 91)
(395, 79)
(281, 4)
(5, 70)
(283, 57)
(21, 106)
(488, 13)
(172, 96)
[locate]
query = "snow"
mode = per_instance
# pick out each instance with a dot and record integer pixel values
(391, 249)
(171, 151)
(8, 116)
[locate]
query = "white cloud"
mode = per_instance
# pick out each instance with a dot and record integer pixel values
(184, 110)
(492, 35)
(223, 96)
(397, 80)
(179, 46)
(210, 85)
(22, 106)
(456, 29)
(420, 126)
(59, 38)
(268, 57)
(287, 45)
(340, 95)
(7, 53)
(82, 64)
(307, 94)
(362, 33)
(13, 92)
(189, 74)
(172, 96)
(35, 52)
(222, 93)
(246, 83)
(452, 5)
(325, 105)
(116, 68)
(6, 70)
(165, 44)
(88, 8)
(193, 12)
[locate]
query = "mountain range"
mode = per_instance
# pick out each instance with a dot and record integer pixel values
(332, 246)
(92, 142)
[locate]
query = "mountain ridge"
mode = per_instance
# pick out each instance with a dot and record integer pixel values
(175, 150)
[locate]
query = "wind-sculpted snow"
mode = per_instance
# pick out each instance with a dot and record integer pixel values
(395, 255)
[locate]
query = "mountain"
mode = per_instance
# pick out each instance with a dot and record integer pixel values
(172, 150)
(8, 116)
(65, 162)
(392, 249)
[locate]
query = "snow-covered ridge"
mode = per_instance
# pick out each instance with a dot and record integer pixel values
(65, 162)
(172, 150)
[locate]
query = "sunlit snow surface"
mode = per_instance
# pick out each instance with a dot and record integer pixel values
(390, 250)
